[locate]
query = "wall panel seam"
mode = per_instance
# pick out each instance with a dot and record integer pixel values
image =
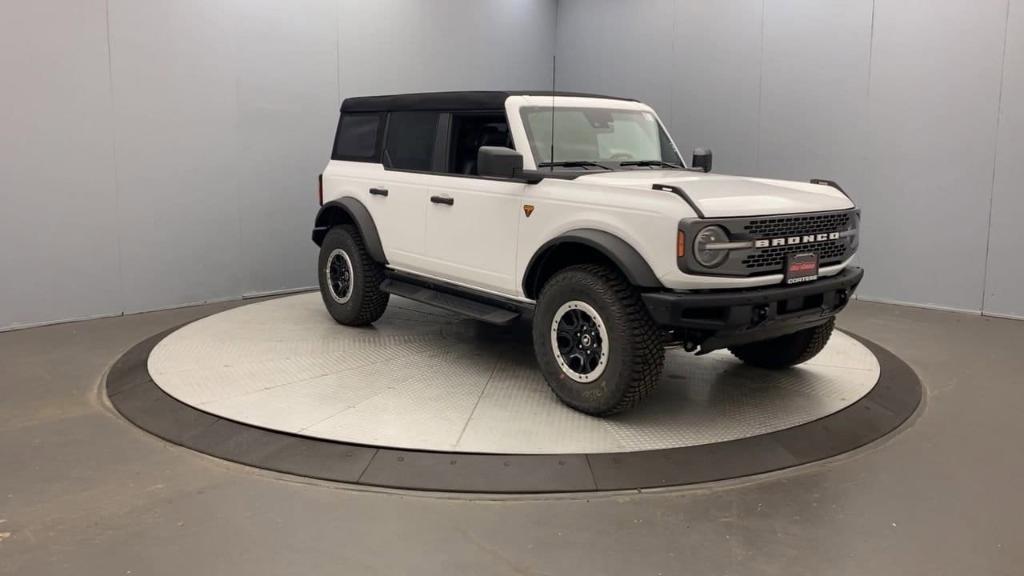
(760, 89)
(995, 158)
(672, 52)
(243, 276)
(114, 160)
(337, 50)
(871, 54)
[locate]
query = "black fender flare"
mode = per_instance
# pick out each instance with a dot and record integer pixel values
(344, 210)
(617, 250)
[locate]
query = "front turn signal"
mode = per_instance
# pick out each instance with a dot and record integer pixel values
(680, 244)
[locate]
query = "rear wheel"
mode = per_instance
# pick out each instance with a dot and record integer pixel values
(596, 344)
(350, 279)
(788, 350)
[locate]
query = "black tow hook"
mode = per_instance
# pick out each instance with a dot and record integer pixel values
(760, 314)
(843, 297)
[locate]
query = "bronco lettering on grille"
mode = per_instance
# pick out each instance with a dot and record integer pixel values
(794, 240)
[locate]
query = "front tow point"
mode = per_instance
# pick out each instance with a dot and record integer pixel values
(760, 313)
(843, 297)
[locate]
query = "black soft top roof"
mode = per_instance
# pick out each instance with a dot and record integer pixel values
(480, 100)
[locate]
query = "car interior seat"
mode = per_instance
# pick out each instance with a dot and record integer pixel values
(488, 135)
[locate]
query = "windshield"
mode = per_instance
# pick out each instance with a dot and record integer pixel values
(606, 138)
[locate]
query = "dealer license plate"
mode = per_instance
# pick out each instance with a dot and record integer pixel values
(801, 267)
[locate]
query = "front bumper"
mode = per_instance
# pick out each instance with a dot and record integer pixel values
(725, 318)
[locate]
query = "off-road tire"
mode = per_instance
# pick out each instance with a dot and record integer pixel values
(636, 352)
(788, 350)
(366, 302)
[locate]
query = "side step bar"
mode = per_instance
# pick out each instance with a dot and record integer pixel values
(451, 302)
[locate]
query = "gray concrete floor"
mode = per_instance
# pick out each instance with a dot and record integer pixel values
(84, 492)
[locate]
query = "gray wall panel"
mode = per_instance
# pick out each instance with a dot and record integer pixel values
(696, 63)
(814, 101)
(58, 242)
(287, 109)
(396, 46)
(619, 49)
(716, 68)
(934, 91)
(1005, 283)
(173, 69)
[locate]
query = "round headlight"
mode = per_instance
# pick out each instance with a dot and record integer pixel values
(710, 235)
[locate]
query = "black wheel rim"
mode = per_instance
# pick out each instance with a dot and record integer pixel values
(579, 341)
(339, 276)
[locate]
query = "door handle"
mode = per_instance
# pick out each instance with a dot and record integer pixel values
(448, 200)
(379, 191)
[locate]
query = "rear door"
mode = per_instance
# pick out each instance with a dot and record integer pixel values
(356, 171)
(397, 198)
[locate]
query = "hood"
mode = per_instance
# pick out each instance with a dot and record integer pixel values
(719, 196)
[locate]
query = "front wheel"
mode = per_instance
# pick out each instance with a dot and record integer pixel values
(350, 279)
(788, 350)
(596, 344)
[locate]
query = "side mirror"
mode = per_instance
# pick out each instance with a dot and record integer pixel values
(701, 159)
(499, 162)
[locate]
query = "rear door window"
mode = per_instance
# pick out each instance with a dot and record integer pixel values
(411, 140)
(357, 138)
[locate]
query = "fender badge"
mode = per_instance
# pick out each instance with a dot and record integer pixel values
(528, 209)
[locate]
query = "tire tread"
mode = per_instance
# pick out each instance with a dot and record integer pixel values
(367, 271)
(648, 359)
(788, 350)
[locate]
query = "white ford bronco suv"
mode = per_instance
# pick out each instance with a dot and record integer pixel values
(578, 211)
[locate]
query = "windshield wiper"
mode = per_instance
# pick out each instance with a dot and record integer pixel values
(649, 163)
(572, 164)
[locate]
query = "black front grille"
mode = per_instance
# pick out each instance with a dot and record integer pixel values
(765, 260)
(794, 225)
(753, 261)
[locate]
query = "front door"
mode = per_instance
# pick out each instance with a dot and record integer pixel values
(472, 222)
(472, 227)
